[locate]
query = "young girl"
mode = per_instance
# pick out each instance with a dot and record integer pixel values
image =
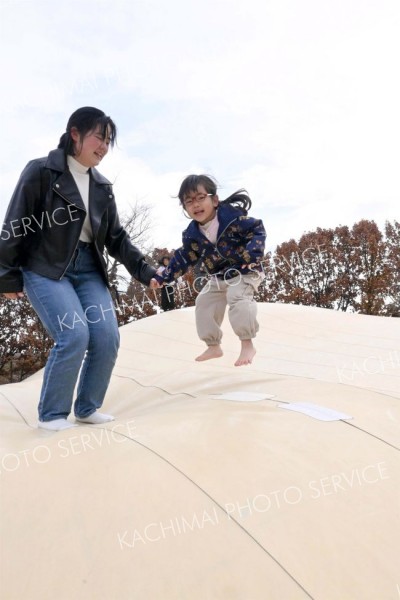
(61, 218)
(230, 246)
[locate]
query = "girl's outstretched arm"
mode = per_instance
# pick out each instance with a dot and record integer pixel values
(179, 263)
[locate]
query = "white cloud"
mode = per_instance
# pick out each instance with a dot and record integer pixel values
(295, 101)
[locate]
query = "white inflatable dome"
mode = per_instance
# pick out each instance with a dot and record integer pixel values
(276, 481)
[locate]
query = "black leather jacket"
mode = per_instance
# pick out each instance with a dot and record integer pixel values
(44, 220)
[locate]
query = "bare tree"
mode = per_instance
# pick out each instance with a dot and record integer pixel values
(137, 222)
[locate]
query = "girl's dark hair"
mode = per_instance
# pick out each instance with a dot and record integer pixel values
(162, 258)
(239, 199)
(85, 120)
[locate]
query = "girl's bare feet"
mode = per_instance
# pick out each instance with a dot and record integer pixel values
(247, 353)
(211, 352)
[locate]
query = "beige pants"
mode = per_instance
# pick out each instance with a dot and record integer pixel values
(211, 302)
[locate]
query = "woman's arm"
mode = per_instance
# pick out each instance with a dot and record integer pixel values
(14, 234)
(120, 247)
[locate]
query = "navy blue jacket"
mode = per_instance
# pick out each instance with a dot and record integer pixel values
(240, 241)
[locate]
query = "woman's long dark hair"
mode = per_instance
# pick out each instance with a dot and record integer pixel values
(85, 120)
(239, 199)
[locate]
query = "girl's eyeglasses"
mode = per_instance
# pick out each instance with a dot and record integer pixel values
(187, 203)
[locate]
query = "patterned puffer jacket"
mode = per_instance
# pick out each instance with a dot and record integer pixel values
(239, 247)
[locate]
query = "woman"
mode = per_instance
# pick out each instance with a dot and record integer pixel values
(61, 217)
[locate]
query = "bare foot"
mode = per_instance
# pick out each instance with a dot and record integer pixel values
(247, 353)
(211, 352)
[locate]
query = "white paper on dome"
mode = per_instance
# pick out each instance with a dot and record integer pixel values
(243, 396)
(317, 412)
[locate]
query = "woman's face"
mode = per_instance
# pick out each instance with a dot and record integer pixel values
(201, 206)
(90, 149)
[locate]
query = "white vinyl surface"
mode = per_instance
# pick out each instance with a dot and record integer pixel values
(203, 488)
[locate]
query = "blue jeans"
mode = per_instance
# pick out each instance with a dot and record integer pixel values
(79, 315)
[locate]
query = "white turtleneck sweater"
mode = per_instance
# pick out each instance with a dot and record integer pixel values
(80, 173)
(210, 229)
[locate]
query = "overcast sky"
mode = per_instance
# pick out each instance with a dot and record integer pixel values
(295, 100)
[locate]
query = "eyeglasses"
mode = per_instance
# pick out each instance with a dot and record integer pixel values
(187, 203)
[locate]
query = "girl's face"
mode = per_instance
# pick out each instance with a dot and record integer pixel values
(90, 149)
(201, 206)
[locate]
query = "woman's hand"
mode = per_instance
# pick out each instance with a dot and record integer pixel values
(13, 295)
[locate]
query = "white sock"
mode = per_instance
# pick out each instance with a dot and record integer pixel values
(96, 418)
(56, 425)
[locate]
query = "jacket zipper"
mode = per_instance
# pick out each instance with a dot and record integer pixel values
(219, 237)
(216, 244)
(76, 245)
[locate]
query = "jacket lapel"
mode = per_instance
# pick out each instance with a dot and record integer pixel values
(66, 187)
(100, 190)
